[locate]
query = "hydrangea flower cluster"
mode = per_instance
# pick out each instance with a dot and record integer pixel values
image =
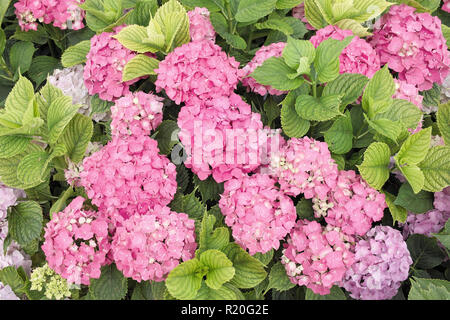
(259, 214)
(382, 262)
(148, 247)
(352, 205)
(208, 131)
(446, 6)
(64, 14)
(305, 166)
(357, 57)
(412, 44)
(299, 13)
(200, 27)
(316, 256)
(409, 92)
(53, 285)
(72, 173)
(197, 69)
(76, 243)
(8, 198)
(128, 176)
(136, 114)
(264, 53)
(104, 66)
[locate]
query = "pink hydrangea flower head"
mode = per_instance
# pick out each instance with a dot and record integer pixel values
(426, 223)
(136, 114)
(148, 247)
(200, 26)
(382, 262)
(442, 200)
(64, 14)
(8, 198)
(305, 166)
(299, 13)
(317, 257)
(264, 53)
(409, 92)
(352, 205)
(76, 243)
(413, 45)
(357, 57)
(197, 69)
(104, 66)
(72, 173)
(446, 6)
(129, 176)
(209, 131)
(258, 213)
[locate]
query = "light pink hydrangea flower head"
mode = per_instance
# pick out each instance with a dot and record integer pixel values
(305, 166)
(129, 176)
(446, 6)
(264, 53)
(136, 114)
(104, 66)
(317, 257)
(357, 57)
(64, 14)
(258, 213)
(197, 69)
(209, 131)
(148, 247)
(352, 205)
(76, 243)
(382, 262)
(200, 27)
(413, 45)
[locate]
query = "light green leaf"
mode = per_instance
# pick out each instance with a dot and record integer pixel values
(32, 168)
(274, 73)
(252, 10)
(429, 289)
(318, 109)
(191, 4)
(60, 112)
(76, 137)
(76, 54)
(313, 13)
(278, 278)
(11, 146)
(424, 251)
(249, 271)
(387, 128)
(415, 148)
(297, 49)
(327, 58)
(375, 167)
(443, 121)
(444, 235)
(111, 285)
(225, 292)
(141, 65)
(436, 169)
(275, 24)
(21, 55)
(220, 268)
(210, 238)
(185, 280)
(340, 136)
(293, 126)
(398, 213)
(25, 222)
(132, 37)
(287, 4)
(379, 92)
(11, 277)
(414, 176)
(354, 26)
(45, 98)
(406, 112)
(336, 293)
(17, 103)
(349, 85)
(417, 203)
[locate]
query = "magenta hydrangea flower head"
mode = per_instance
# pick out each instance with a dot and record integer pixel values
(209, 131)
(317, 257)
(305, 166)
(446, 6)
(129, 176)
(299, 13)
(382, 262)
(426, 223)
(442, 200)
(64, 14)
(409, 92)
(352, 205)
(200, 27)
(264, 53)
(104, 66)
(148, 247)
(197, 69)
(136, 114)
(258, 213)
(413, 45)
(357, 57)
(76, 243)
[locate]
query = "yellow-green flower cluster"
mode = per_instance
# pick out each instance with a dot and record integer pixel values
(54, 286)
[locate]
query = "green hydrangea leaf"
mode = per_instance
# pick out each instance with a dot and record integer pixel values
(252, 10)
(340, 136)
(318, 109)
(375, 167)
(443, 121)
(424, 251)
(76, 54)
(220, 268)
(76, 137)
(139, 66)
(111, 285)
(185, 280)
(416, 203)
(278, 278)
(274, 72)
(436, 169)
(25, 222)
